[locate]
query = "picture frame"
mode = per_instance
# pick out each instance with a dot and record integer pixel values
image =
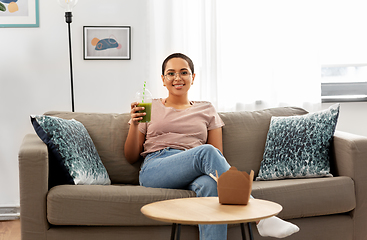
(22, 13)
(107, 42)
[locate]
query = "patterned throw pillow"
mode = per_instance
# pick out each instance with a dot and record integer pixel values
(73, 149)
(298, 146)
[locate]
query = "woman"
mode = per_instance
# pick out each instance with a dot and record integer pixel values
(182, 145)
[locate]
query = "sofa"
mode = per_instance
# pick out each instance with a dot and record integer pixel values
(324, 208)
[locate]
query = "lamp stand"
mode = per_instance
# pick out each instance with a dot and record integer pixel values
(68, 19)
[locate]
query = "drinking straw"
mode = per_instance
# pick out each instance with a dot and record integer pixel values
(143, 92)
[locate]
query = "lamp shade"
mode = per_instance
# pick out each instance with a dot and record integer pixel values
(67, 4)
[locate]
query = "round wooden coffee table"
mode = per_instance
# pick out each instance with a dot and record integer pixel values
(208, 210)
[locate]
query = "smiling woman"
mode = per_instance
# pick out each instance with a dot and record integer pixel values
(182, 144)
(181, 134)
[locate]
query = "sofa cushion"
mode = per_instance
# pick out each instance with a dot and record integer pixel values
(298, 146)
(108, 132)
(308, 197)
(105, 205)
(244, 135)
(120, 205)
(73, 150)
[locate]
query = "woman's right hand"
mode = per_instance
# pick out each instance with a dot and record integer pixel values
(136, 116)
(135, 139)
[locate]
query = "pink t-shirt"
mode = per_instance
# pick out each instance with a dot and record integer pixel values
(179, 128)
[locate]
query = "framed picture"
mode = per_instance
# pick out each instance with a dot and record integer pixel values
(21, 13)
(107, 43)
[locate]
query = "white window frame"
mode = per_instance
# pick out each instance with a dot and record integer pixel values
(348, 91)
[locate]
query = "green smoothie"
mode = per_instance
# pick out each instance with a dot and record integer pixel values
(148, 110)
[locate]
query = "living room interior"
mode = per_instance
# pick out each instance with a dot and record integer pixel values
(35, 74)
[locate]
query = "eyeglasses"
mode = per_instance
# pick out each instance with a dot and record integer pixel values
(184, 75)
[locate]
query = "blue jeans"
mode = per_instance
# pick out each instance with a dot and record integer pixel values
(187, 169)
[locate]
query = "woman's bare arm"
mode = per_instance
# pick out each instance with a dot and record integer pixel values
(215, 138)
(135, 139)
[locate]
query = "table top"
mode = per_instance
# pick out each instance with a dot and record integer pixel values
(208, 210)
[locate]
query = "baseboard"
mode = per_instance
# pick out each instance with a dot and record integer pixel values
(9, 213)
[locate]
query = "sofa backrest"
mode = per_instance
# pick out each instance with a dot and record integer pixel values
(244, 136)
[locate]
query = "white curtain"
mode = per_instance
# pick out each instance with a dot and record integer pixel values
(189, 27)
(248, 54)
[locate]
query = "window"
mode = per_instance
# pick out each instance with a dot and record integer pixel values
(344, 83)
(343, 50)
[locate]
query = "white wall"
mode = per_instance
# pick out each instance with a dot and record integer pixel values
(34, 76)
(352, 117)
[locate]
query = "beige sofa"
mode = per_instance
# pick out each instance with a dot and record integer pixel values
(323, 208)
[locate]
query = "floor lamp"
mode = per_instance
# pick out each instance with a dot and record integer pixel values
(68, 6)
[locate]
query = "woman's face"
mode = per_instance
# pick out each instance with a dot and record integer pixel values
(178, 77)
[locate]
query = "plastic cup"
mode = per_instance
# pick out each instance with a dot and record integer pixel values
(147, 110)
(145, 100)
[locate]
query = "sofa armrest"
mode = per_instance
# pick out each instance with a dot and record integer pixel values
(350, 159)
(33, 184)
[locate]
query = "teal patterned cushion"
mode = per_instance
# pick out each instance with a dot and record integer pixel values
(298, 146)
(73, 149)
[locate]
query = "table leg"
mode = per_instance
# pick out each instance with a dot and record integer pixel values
(244, 232)
(178, 232)
(250, 231)
(173, 231)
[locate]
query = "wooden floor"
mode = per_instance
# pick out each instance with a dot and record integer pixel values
(10, 230)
